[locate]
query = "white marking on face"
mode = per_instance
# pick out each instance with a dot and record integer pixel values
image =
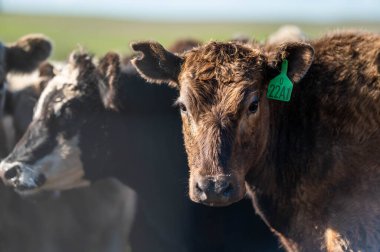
(64, 81)
(62, 168)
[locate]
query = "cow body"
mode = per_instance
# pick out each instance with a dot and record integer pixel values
(310, 164)
(320, 171)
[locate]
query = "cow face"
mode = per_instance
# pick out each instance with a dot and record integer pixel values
(225, 112)
(49, 155)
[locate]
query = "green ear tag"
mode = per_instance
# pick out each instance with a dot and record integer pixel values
(280, 87)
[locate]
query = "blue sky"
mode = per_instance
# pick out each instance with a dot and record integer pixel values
(206, 10)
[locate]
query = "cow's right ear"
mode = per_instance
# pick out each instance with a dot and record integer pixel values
(27, 53)
(156, 64)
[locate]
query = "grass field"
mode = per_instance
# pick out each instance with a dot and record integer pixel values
(101, 35)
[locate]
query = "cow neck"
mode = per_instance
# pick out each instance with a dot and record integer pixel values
(288, 156)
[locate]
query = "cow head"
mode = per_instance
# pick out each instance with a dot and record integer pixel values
(22, 56)
(48, 156)
(225, 112)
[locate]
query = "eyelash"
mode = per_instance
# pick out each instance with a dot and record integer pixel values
(181, 107)
(254, 105)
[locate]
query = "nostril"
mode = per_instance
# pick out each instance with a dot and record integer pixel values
(40, 180)
(228, 190)
(12, 172)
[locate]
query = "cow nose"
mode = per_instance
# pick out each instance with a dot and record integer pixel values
(214, 189)
(12, 172)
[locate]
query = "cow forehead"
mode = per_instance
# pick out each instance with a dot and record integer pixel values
(220, 75)
(221, 66)
(215, 55)
(65, 83)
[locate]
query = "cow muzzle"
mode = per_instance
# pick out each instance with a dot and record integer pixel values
(220, 190)
(21, 177)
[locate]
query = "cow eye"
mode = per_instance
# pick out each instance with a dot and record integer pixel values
(182, 107)
(254, 105)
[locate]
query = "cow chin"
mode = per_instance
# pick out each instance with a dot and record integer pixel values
(61, 169)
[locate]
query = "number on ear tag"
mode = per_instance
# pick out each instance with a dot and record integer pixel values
(280, 87)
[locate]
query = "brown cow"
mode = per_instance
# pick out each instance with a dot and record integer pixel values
(311, 164)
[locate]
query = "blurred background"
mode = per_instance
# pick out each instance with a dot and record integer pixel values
(103, 25)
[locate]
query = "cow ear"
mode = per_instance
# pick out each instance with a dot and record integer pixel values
(156, 64)
(46, 73)
(27, 53)
(299, 56)
(109, 71)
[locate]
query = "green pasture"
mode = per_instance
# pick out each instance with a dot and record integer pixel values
(102, 35)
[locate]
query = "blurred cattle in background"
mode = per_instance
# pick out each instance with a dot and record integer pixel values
(286, 33)
(96, 218)
(22, 93)
(183, 45)
(23, 56)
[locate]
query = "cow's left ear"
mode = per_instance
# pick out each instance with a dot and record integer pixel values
(27, 53)
(109, 71)
(299, 56)
(156, 64)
